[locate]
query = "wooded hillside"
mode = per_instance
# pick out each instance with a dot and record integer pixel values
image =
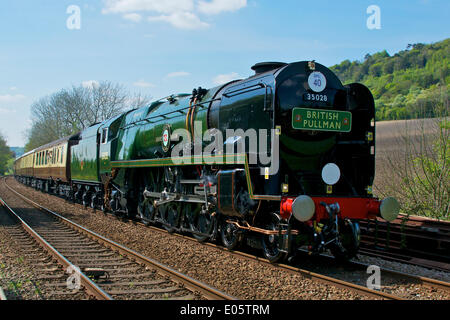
(413, 83)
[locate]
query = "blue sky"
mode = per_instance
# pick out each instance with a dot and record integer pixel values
(160, 47)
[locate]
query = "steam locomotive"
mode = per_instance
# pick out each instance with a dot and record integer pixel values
(281, 161)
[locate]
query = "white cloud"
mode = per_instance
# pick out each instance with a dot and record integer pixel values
(218, 6)
(182, 14)
(13, 88)
(160, 6)
(143, 84)
(178, 74)
(11, 98)
(90, 84)
(181, 20)
(134, 17)
(224, 78)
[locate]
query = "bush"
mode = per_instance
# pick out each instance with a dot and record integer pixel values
(420, 169)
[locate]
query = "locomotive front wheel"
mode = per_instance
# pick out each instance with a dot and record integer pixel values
(349, 238)
(270, 243)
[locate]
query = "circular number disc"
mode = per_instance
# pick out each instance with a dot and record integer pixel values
(317, 81)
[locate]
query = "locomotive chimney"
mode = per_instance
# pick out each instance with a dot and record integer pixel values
(267, 66)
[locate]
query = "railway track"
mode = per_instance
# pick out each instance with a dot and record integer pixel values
(50, 283)
(351, 267)
(106, 269)
(412, 240)
(51, 263)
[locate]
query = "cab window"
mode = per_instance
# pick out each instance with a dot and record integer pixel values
(104, 135)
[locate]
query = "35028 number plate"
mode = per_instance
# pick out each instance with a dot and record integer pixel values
(315, 97)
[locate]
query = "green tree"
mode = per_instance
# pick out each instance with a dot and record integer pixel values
(5, 155)
(71, 110)
(423, 67)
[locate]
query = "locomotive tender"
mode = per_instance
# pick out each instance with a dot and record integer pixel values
(294, 169)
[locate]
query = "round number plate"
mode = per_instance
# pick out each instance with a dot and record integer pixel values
(317, 81)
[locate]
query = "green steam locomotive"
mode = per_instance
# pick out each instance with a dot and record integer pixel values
(281, 161)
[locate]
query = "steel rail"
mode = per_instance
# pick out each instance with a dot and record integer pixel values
(91, 287)
(429, 264)
(208, 292)
(434, 283)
